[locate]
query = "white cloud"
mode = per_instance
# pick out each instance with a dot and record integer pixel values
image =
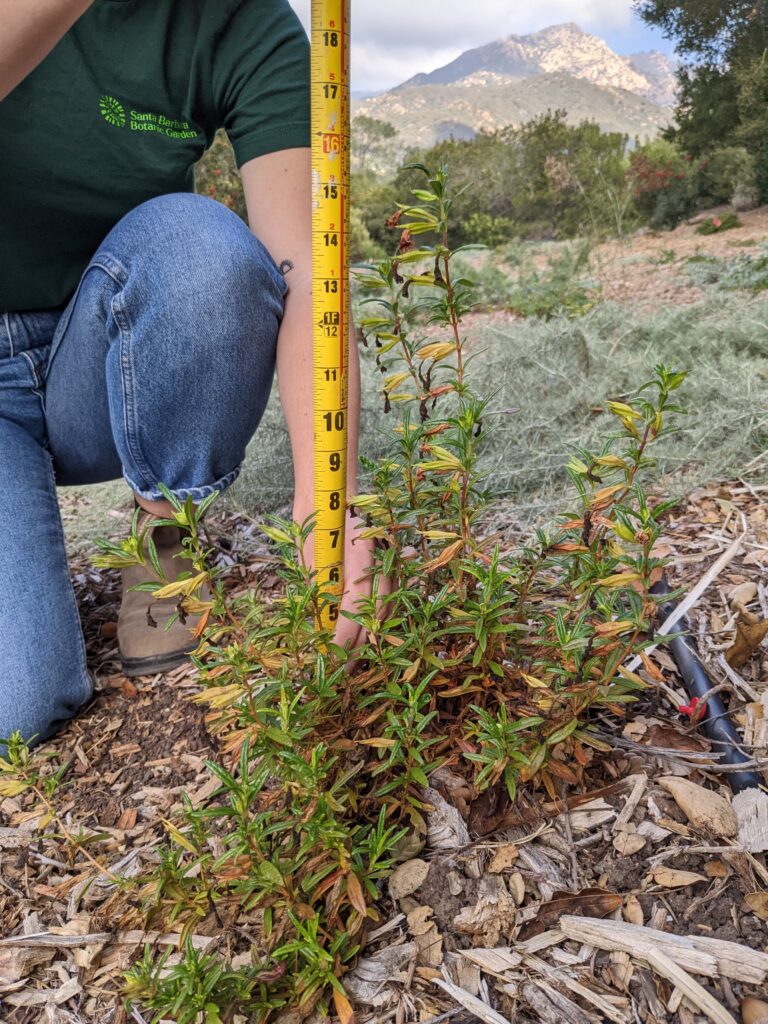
(394, 39)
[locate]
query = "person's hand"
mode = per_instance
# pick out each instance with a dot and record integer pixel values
(359, 558)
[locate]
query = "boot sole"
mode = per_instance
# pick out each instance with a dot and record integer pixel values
(152, 666)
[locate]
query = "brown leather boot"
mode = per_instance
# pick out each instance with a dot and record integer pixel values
(146, 645)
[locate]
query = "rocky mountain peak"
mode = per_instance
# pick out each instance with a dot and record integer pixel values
(564, 49)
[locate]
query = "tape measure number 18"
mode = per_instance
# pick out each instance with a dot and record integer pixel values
(330, 297)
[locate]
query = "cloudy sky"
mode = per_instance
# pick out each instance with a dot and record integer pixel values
(394, 39)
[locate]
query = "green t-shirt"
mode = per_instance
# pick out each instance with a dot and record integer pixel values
(120, 111)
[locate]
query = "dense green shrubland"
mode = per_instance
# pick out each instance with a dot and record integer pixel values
(546, 180)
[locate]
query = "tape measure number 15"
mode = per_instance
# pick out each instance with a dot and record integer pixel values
(330, 295)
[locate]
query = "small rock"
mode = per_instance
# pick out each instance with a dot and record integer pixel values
(407, 878)
(628, 843)
(704, 808)
(455, 883)
(633, 911)
(517, 887)
(754, 1011)
(743, 593)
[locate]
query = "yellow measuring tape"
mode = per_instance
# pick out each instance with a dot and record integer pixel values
(330, 297)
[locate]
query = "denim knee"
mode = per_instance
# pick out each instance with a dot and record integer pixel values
(195, 320)
(39, 707)
(210, 252)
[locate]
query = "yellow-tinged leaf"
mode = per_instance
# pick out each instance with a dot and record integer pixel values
(219, 696)
(623, 531)
(276, 534)
(443, 459)
(632, 677)
(608, 492)
(445, 556)
(439, 534)
(395, 380)
(619, 579)
(12, 787)
(436, 350)
(537, 684)
(343, 1007)
(410, 673)
(180, 587)
(611, 460)
(379, 743)
(422, 279)
(355, 893)
(612, 628)
(177, 837)
(373, 531)
(623, 410)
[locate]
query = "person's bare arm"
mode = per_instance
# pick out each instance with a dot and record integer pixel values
(278, 198)
(277, 195)
(29, 30)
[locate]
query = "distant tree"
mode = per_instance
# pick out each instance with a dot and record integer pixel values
(545, 179)
(709, 32)
(370, 139)
(216, 175)
(724, 73)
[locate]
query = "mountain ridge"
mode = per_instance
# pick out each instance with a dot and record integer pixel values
(565, 48)
(513, 79)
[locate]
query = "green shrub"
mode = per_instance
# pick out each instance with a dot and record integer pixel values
(664, 182)
(744, 273)
(217, 176)
(489, 661)
(716, 225)
(492, 282)
(362, 247)
(562, 288)
(723, 171)
(483, 229)
(546, 179)
(746, 197)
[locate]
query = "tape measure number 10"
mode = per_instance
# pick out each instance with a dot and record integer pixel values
(330, 298)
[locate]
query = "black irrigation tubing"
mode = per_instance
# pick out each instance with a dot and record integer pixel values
(716, 722)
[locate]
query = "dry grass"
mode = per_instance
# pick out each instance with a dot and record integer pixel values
(549, 379)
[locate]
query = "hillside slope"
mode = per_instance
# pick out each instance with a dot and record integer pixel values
(425, 114)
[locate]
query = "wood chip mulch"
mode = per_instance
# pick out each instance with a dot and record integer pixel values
(624, 906)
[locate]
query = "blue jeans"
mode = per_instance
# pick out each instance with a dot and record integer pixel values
(158, 370)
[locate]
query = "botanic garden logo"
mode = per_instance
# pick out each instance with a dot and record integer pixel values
(115, 113)
(112, 110)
